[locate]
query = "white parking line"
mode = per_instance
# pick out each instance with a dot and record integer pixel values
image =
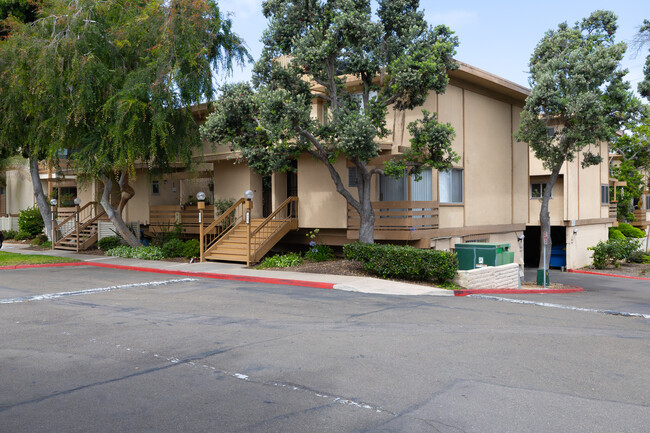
(89, 291)
(564, 307)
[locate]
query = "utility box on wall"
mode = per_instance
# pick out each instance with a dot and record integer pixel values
(474, 255)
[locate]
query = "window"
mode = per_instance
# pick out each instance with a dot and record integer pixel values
(604, 194)
(550, 131)
(359, 98)
(352, 177)
(451, 186)
(647, 202)
(391, 189)
(155, 187)
(537, 190)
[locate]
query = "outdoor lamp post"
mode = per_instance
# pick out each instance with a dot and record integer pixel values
(53, 204)
(200, 197)
(248, 195)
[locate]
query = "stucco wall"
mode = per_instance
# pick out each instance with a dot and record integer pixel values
(488, 161)
(319, 205)
(587, 236)
(19, 190)
(137, 209)
(555, 205)
(231, 180)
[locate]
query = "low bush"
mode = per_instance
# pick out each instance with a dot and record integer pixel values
(613, 251)
(358, 252)
(630, 231)
(281, 261)
(166, 234)
(143, 253)
(10, 234)
(21, 236)
(173, 248)
(615, 233)
(30, 221)
(109, 242)
(404, 262)
(191, 249)
(319, 253)
(639, 257)
(39, 239)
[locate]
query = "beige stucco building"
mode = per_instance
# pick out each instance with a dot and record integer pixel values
(490, 194)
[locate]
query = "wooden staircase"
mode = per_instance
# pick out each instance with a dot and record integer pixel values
(78, 231)
(232, 243)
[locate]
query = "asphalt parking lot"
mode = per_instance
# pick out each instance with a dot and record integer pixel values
(92, 349)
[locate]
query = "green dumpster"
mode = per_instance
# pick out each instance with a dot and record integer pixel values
(474, 255)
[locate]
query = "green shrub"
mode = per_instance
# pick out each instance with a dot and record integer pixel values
(319, 253)
(637, 257)
(615, 233)
(281, 261)
(30, 221)
(630, 231)
(404, 262)
(166, 234)
(191, 249)
(10, 234)
(358, 252)
(173, 248)
(21, 236)
(613, 251)
(39, 239)
(143, 253)
(223, 204)
(110, 242)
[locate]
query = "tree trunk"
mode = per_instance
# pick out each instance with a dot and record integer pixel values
(116, 217)
(367, 214)
(545, 219)
(126, 191)
(39, 195)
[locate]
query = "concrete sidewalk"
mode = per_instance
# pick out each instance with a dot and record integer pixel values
(340, 282)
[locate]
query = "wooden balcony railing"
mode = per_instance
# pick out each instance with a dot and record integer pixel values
(398, 220)
(164, 218)
(612, 209)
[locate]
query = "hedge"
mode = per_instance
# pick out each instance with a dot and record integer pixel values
(630, 231)
(404, 262)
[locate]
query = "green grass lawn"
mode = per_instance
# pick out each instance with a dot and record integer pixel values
(13, 259)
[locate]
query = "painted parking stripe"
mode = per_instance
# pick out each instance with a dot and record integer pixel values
(48, 296)
(564, 307)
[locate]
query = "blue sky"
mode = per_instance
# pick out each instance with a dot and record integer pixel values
(497, 36)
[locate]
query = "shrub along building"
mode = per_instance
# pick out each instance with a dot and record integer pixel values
(490, 195)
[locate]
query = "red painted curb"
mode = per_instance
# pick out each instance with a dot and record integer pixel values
(603, 274)
(266, 280)
(515, 291)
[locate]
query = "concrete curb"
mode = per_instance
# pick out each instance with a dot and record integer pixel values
(603, 274)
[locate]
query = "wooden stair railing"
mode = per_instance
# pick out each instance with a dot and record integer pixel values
(226, 222)
(241, 242)
(82, 222)
(273, 228)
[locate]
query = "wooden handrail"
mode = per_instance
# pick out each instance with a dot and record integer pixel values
(224, 215)
(275, 212)
(71, 217)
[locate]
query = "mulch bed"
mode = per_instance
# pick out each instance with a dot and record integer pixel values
(625, 269)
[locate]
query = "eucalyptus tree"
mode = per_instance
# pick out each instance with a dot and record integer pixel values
(312, 51)
(114, 82)
(577, 84)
